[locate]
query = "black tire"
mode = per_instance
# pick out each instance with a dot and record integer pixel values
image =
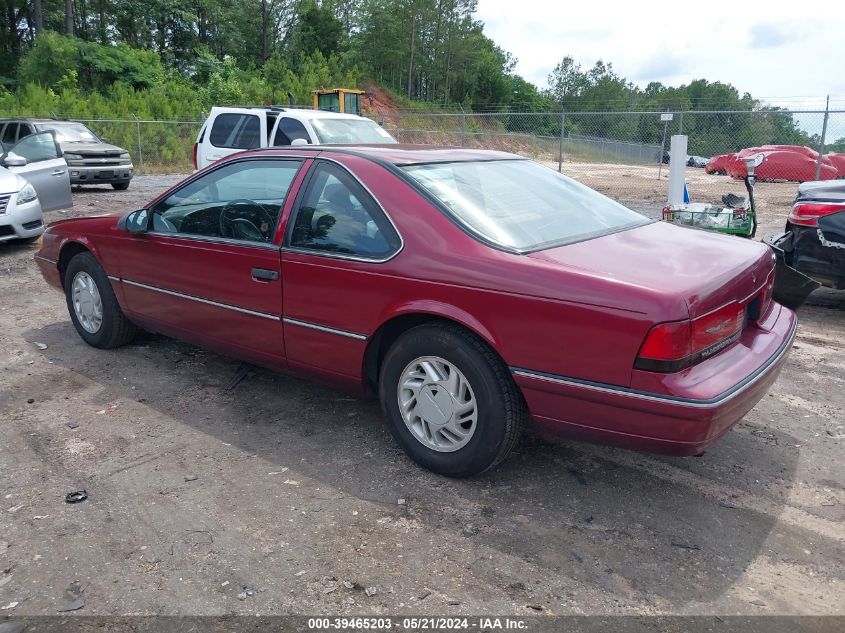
(116, 329)
(120, 186)
(502, 413)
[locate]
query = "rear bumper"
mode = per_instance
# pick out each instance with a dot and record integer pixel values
(699, 410)
(106, 174)
(804, 252)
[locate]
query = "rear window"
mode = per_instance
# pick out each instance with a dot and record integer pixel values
(521, 205)
(236, 131)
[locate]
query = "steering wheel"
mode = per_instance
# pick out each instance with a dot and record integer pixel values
(241, 228)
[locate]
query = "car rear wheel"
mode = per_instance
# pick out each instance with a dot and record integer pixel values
(450, 401)
(120, 186)
(93, 307)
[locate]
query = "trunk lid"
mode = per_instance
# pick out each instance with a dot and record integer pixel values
(705, 270)
(822, 191)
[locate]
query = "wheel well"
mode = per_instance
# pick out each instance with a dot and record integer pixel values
(68, 252)
(385, 336)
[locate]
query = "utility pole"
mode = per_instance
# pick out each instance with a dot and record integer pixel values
(821, 143)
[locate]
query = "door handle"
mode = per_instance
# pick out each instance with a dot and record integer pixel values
(262, 274)
(58, 172)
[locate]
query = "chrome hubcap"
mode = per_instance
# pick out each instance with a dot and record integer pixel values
(437, 404)
(87, 303)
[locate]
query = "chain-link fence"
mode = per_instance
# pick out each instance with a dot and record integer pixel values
(622, 154)
(155, 146)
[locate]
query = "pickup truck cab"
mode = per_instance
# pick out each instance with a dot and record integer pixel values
(229, 130)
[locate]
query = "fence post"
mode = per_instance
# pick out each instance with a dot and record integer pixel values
(560, 155)
(140, 149)
(662, 149)
(463, 126)
(821, 143)
(681, 122)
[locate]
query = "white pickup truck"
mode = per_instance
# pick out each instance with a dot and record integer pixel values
(228, 130)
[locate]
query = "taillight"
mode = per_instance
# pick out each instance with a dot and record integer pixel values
(713, 332)
(196, 145)
(678, 344)
(667, 342)
(808, 213)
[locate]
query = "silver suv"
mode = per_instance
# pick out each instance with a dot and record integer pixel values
(90, 159)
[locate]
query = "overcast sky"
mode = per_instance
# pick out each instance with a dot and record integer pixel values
(784, 51)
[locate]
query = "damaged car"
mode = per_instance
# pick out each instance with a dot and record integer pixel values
(812, 239)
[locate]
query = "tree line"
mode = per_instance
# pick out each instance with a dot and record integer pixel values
(177, 57)
(427, 50)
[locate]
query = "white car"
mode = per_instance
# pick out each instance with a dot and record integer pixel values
(33, 178)
(229, 130)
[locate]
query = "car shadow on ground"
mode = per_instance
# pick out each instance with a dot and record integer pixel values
(629, 523)
(102, 188)
(13, 248)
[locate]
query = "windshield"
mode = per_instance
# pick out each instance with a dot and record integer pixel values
(72, 133)
(349, 131)
(522, 205)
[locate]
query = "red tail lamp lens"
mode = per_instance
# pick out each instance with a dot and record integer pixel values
(675, 345)
(668, 341)
(808, 213)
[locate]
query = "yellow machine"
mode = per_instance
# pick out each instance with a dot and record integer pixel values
(338, 100)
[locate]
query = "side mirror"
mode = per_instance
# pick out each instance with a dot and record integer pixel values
(298, 141)
(13, 160)
(136, 222)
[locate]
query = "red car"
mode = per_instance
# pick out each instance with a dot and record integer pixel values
(719, 164)
(781, 162)
(472, 291)
(838, 161)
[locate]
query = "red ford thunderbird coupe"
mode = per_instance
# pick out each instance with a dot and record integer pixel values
(472, 291)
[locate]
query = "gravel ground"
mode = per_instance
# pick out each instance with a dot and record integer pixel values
(196, 491)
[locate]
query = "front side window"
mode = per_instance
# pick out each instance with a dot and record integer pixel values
(236, 131)
(37, 147)
(289, 130)
(337, 216)
(521, 205)
(239, 201)
(349, 131)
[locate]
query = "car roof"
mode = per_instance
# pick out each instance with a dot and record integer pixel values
(401, 154)
(300, 113)
(24, 119)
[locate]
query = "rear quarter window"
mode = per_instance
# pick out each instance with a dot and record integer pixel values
(236, 131)
(521, 205)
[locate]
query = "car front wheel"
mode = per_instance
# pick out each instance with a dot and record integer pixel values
(93, 307)
(450, 401)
